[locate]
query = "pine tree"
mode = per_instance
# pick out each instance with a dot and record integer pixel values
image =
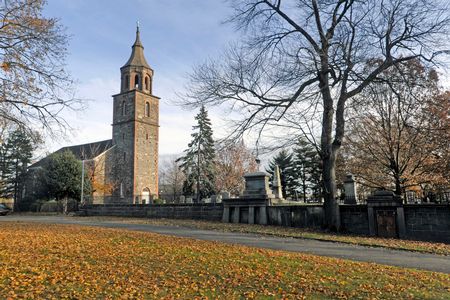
(15, 154)
(307, 169)
(198, 161)
(284, 161)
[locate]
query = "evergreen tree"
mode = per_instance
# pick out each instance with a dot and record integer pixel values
(284, 161)
(198, 161)
(307, 169)
(15, 156)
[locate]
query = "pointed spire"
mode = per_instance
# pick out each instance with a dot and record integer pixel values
(138, 37)
(137, 57)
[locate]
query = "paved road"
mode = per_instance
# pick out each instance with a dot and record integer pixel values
(407, 259)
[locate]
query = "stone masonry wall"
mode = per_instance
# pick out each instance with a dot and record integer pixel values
(354, 219)
(210, 212)
(123, 139)
(428, 222)
(305, 216)
(146, 145)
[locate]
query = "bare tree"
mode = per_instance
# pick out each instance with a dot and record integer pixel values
(300, 62)
(172, 178)
(233, 160)
(34, 85)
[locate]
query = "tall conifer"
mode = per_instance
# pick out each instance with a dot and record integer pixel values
(198, 160)
(307, 169)
(284, 161)
(15, 156)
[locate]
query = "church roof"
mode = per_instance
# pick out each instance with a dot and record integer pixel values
(137, 58)
(81, 152)
(88, 151)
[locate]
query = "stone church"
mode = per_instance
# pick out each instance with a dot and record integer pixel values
(125, 168)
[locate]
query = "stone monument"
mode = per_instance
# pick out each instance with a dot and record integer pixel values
(350, 190)
(276, 183)
(251, 207)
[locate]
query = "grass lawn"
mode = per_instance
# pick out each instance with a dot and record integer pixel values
(417, 246)
(68, 261)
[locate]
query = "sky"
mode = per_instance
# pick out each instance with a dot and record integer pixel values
(176, 34)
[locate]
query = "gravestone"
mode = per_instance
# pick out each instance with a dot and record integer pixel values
(189, 200)
(251, 207)
(182, 199)
(276, 183)
(257, 186)
(219, 198)
(350, 190)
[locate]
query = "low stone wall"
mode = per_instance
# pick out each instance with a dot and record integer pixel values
(301, 216)
(429, 222)
(204, 211)
(354, 219)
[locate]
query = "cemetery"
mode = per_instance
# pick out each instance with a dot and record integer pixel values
(257, 149)
(383, 214)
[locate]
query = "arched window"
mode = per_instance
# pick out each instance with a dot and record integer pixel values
(150, 85)
(127, 82)
(146, 83)
(146, 136)
(124, 109)
(136, 81)
(147, 109)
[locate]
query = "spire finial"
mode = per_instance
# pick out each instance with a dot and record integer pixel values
(138, 38)
(137, 54)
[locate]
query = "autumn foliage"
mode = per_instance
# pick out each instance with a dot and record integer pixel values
(233, 160)
(60, 261)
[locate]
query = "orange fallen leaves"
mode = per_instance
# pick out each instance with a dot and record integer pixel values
(66, 261)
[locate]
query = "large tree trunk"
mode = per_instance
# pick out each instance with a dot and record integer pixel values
(16, 187)
(65, 205)
(332, 219)
(398, 185)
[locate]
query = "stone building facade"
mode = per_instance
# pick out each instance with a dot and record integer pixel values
(125, 168)
(135, 131)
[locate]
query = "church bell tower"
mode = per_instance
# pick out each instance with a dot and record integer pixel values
(135, 131)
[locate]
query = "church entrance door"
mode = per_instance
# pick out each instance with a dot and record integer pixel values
(146, 196)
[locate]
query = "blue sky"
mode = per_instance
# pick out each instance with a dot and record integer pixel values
(177, 34)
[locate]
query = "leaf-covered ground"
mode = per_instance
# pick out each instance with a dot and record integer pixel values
(69, 261)
(417, 246)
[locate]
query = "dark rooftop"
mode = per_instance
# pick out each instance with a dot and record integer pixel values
(81, 152)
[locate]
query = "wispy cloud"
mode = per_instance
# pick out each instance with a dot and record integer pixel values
(176, 34)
